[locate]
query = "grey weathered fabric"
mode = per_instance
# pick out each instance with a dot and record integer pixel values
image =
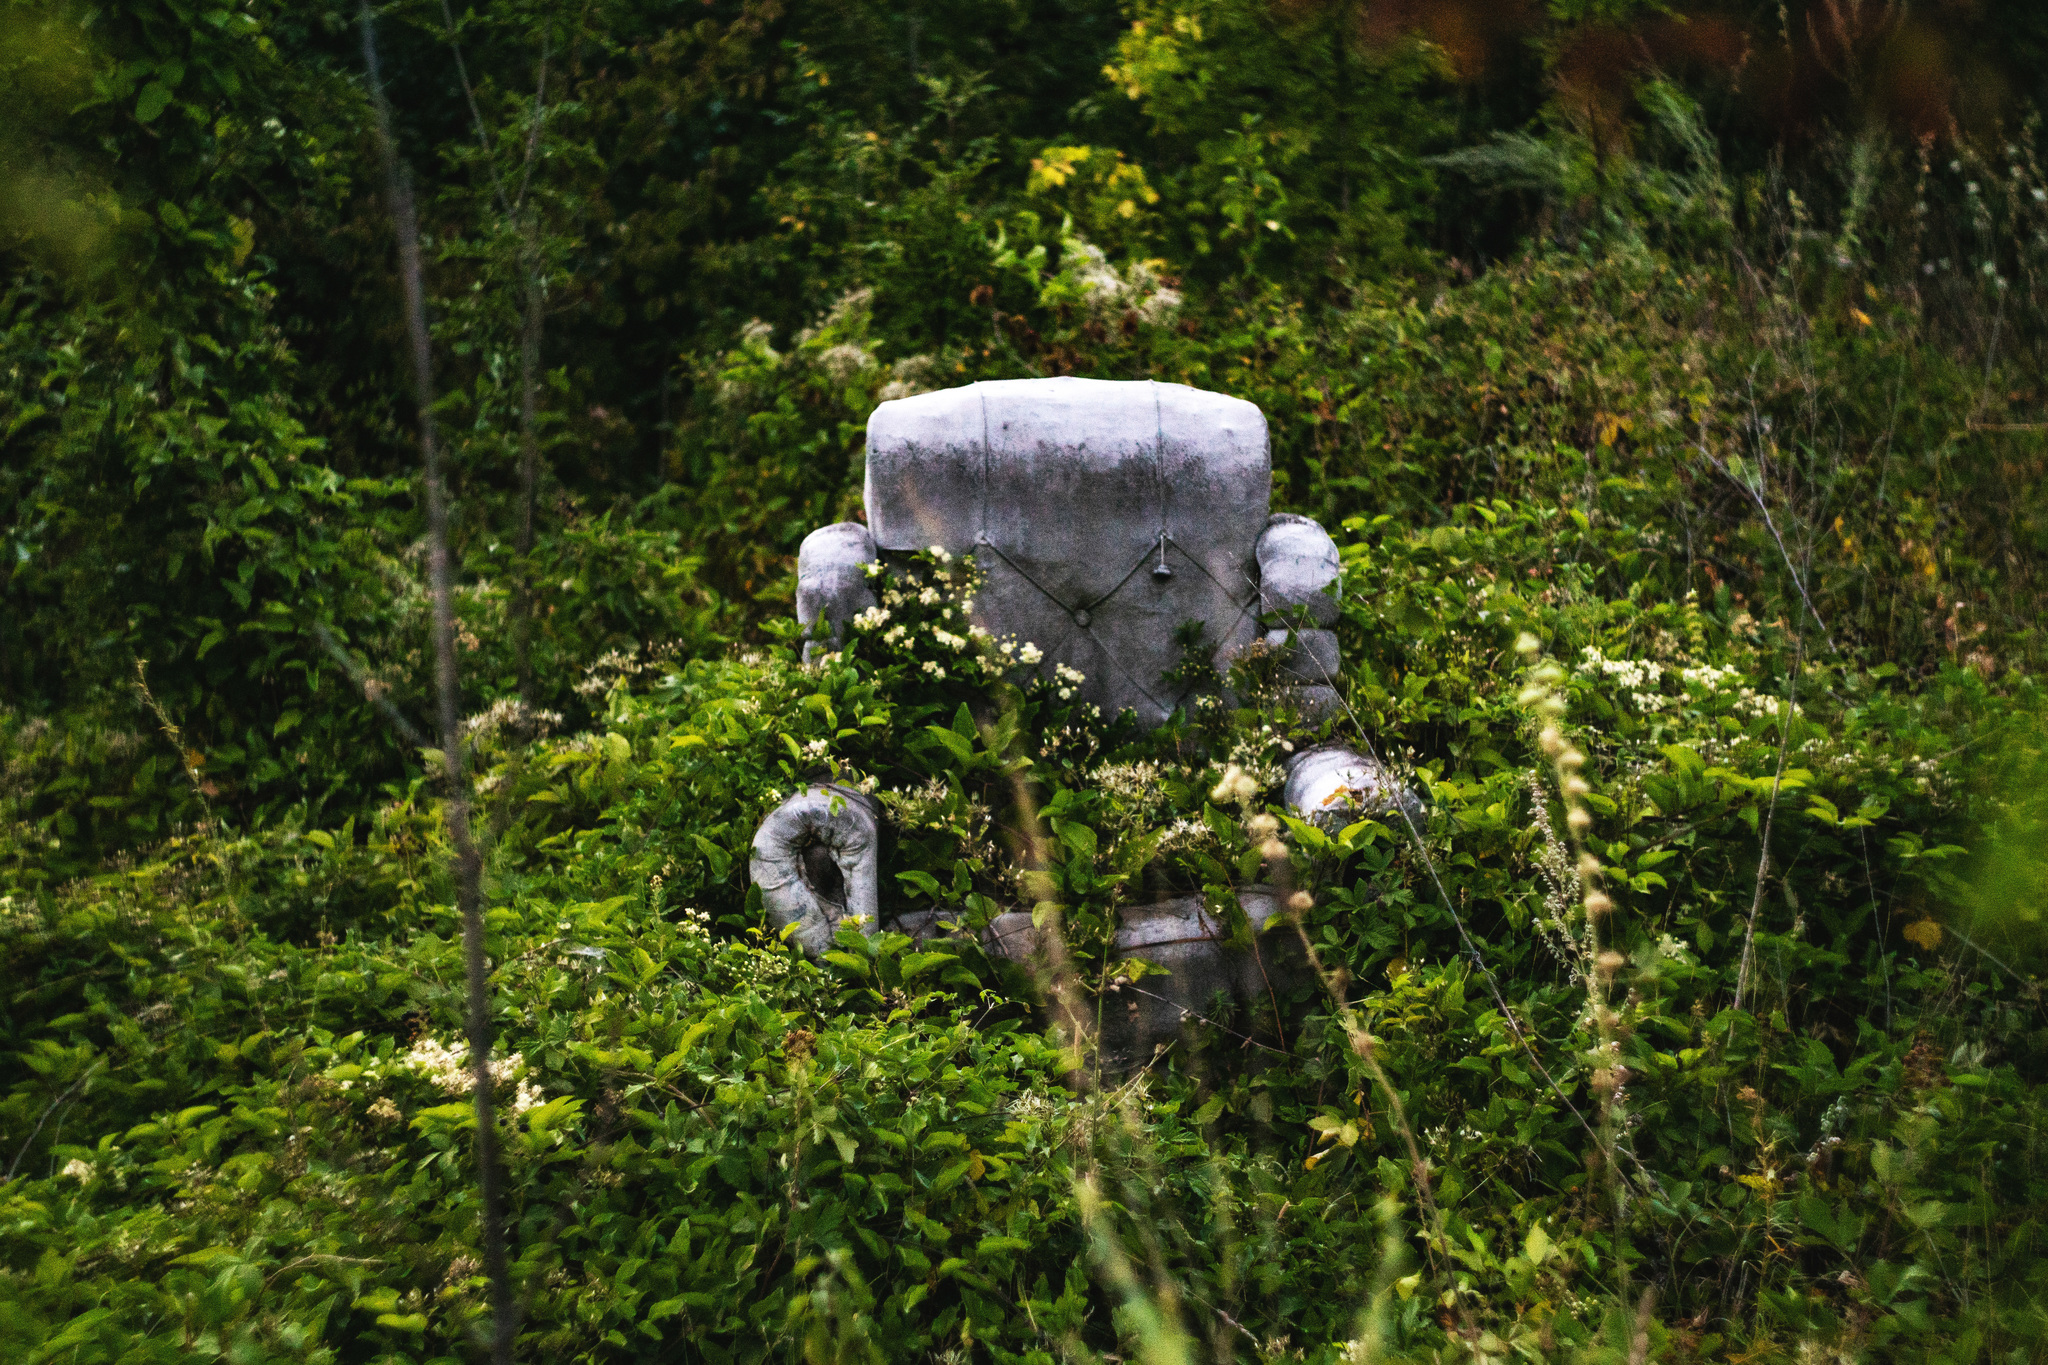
(1334, 785)
(832, 581)
(1104, 513)
(842, 822)
(1188, 942)
(1298, 568)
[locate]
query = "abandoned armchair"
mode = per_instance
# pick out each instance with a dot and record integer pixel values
(1103, 515)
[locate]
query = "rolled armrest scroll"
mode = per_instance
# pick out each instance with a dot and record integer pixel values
(1298, 573)
(842, 824)
(1334, 785)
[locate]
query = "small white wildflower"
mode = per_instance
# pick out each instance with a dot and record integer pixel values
(929, 597)
(871, 618)
(76, 1169)
(448, 1068)
(1235, 788)
(1134, 782)
(1183, 833)
(933, 667)
(1029, 654)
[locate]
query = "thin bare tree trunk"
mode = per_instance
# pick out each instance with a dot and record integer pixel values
(533, 321)
(529, 476)
(441, 585)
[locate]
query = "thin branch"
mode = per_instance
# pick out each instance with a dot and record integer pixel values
(535, 121)
(1763, 864)
(529, 470)
(533, 321)
(1756, 496)
(476, 117)
(371, 688)
(441, 583)
(48, 1110)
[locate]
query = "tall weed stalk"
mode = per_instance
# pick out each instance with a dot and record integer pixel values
(467, 860)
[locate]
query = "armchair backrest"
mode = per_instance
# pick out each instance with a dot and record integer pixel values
(1104, 514)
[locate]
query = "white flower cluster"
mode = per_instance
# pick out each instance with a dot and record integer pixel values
(512, 713)
(844, 361)
(1026, 653)
(1068, 679)
(911, 375)
(1710, 678)
(919, 809)
(614, 667)
(449, 1071)
(1134, 782)
(695, 923)
(872, 618)
(1235, 787)
(945, 637)
(1638, 677)
(1184, 833)
(1137, 287)
(763, 968)
(1760, 704)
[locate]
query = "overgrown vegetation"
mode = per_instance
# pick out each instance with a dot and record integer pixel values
(1670, 380)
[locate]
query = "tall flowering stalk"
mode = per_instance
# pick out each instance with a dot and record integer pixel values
(1542, 695)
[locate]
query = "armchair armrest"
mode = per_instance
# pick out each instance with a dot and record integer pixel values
(832, 581)
(1335, 784)
(818, 832)
(1298, 568)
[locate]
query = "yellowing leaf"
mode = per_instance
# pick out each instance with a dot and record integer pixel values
(1926, 933)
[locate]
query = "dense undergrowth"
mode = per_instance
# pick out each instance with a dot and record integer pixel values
(1692, 538)
(245, 1055)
